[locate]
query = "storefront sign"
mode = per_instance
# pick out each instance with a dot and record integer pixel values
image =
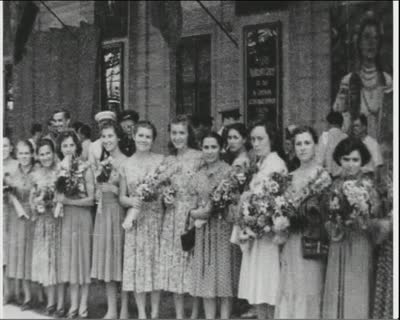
(262, 46)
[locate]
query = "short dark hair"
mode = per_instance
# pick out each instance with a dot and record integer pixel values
(272, 133)
(347, 146)
(363, 119)
(66, 113)
(45, 142)
(216, 136)
(112, 124)
(85, 130)
(335, 118)
(65, 135)
(36, 127)
(128, 115)
(77, 125)
(185, 120)
(305, 129)
(148, 125)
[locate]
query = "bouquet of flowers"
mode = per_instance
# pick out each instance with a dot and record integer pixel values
(70, 180)
(43, 198)
(169, 193)
(266, 210)
(227, 191)
(104, 170)
(316, 186)
(103, 173)
(349, 207)
(150, 187)
(9, 191)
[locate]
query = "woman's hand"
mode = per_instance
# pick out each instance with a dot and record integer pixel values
(128, 223)
(60, 197)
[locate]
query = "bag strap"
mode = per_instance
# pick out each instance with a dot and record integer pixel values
(187, 221)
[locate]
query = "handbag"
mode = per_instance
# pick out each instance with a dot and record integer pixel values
(189, 236)
(314, 248)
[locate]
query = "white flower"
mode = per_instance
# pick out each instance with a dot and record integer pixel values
(267, 229)
(280, 202)
(281, 223)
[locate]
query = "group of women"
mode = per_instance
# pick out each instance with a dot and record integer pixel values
(139, 244)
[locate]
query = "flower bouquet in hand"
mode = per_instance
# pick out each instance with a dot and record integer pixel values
(316, 186)
(265, 210)
(349, 208)
(70, 181)
(10, 194)
(103, 174)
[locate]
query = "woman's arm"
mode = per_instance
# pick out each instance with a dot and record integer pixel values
(89, 200)
(124, 199)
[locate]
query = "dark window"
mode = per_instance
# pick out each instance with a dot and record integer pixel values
(194, 75)
(112, 18)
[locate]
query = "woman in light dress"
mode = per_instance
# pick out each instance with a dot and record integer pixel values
(260, 271)
(10, 165)
(302, 280)
(76, 233)
(47, 228)
(19, 245)
(348, 277)
(184, 162)
(108, 233)
(212, 269)
(142, 231)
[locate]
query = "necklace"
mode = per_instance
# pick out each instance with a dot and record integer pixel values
(369, 79)
(372, 110)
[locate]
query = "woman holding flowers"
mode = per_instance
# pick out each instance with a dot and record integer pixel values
(75, 191)
(259, 274)
(184, 162)
(108, 232)
(10, 165)
(19, 245)
(46, 235)
(302, 278)
(353, 202)
(212, 261)
(143, 220)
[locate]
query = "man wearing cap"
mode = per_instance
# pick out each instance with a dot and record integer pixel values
(96, 148)
(127, 120)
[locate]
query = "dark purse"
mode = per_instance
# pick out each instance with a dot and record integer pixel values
(188, 237)
(314, 245)
(313, 248)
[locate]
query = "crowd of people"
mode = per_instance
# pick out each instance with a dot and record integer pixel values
(107, 228)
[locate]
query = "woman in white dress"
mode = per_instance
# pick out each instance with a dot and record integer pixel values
(302, 279)
(260, 271)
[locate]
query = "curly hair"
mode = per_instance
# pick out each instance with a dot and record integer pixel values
(65, 135)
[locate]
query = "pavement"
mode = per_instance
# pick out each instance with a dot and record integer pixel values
(13, 312)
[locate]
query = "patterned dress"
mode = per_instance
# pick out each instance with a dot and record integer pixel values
(175, 263)
(212, 272)
(108, 236)
(46, 235)
(142, 242)
(76, 235)
(19, 246)
(349, 271)
(8, 167)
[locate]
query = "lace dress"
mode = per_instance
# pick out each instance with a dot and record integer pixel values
(108, 236)
(213, 274)
(175, 264)
(142, 242)
(46, 235)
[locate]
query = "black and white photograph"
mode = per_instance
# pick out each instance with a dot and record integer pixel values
(199, 159)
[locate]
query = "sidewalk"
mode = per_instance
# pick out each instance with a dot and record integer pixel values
(14, 312)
